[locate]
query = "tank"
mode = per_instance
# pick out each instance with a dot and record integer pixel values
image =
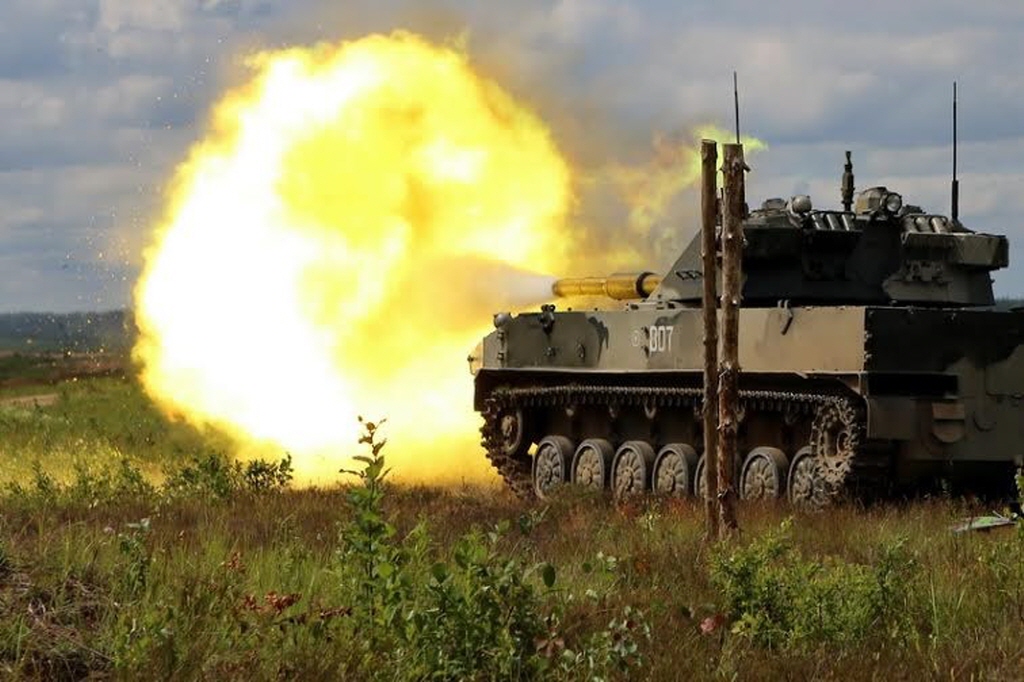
(873, 360)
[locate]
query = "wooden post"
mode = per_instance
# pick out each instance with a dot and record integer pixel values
(732, 277)
(709, 220)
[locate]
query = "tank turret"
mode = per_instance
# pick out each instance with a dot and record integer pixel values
(874, 251)
(879, 252)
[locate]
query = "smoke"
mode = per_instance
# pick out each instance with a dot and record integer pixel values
(481, 285)
(635, 172)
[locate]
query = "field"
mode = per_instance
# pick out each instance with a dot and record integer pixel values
(131, 546)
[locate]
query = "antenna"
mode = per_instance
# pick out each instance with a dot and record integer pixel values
(955, 199)
(736, 104)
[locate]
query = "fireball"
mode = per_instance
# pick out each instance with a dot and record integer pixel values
(333, 246)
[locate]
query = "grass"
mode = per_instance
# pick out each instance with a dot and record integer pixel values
(95, 422)
(104, 575)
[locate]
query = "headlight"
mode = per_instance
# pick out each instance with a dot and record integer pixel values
(476, 359)
(893, 202)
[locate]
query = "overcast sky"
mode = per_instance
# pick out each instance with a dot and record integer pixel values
(100, 99)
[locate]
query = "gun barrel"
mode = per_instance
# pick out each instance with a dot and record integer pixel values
(621, 287)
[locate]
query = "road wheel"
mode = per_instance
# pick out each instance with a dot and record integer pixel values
(700, 479)
(807, 487)
(764, 474)
(510, 431)
(551, 465)
(592, 463)
(631, 470)
(674, 470)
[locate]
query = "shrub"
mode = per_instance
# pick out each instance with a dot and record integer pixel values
(777, 598)
(260, 476)
(216, 475)
(480, 612)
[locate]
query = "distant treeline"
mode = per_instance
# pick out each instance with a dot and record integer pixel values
(110, 332)
(114, 331)
(1007, 303)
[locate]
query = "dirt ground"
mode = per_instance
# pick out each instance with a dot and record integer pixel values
(38, 400)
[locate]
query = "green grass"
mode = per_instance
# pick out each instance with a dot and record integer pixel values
(265, 582)
(95, 422)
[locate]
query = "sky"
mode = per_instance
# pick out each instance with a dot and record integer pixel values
(101, 99)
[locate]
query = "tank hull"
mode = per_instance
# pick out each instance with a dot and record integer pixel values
(923, 395)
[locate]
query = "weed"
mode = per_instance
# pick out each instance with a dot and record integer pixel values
(372, 563)
(137, 559)
(6, 567)
(616, 649)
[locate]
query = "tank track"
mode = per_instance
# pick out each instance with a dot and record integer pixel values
(851, 466)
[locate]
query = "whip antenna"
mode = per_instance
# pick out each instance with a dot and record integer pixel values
(955, 199)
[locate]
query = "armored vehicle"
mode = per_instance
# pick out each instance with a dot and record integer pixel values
(872, 357)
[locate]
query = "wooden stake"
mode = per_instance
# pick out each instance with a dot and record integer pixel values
(732, 279)
(709, 220)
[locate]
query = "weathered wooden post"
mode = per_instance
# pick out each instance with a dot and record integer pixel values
(728, 399)
(709, 219)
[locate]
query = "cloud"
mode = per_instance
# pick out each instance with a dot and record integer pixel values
(101, 98)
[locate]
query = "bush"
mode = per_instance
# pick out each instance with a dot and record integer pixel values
(777, 598)
(480, 612)
(215, 475)
(87, 488)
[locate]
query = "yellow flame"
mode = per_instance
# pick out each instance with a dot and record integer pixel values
(336, 246)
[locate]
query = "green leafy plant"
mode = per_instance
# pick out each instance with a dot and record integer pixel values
(372, 563)
(615, 649)
(481, 611)
(132, 546)
(777, 598)
(216, 475)
(260, 476)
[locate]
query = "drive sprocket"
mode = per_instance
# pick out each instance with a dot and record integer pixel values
(837, 433)
(502, 436)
